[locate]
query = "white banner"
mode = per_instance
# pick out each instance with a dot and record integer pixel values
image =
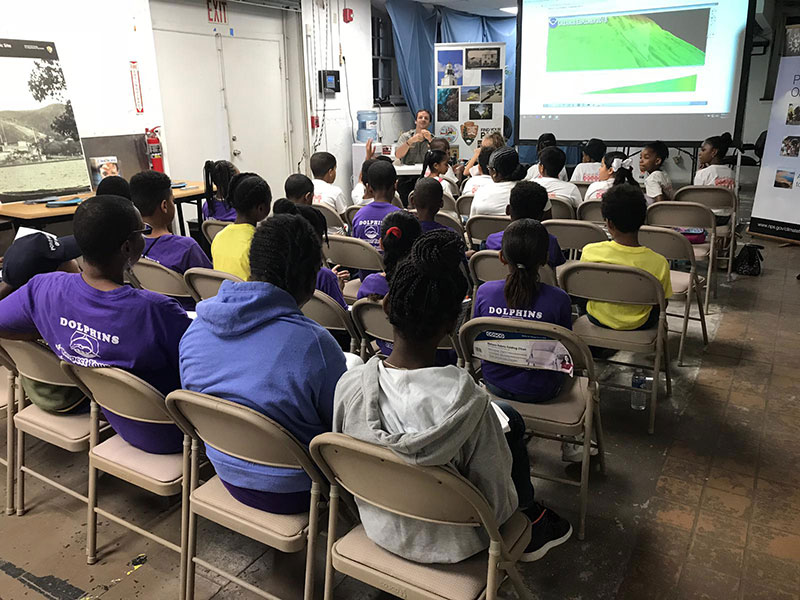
(776, 208)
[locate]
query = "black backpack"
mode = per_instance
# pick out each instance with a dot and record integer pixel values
(748, 261)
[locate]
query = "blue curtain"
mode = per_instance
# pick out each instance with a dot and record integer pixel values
(414, 32)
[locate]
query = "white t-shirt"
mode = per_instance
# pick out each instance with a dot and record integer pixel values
(492, 198)
(560, 189)
(598, 188)
(719, 175)
(533, 174)
(658, 183)
(475, 183)
(357, 195)
(586, 172)
(325, 193)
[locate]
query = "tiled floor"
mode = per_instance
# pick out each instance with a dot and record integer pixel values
(707, 507)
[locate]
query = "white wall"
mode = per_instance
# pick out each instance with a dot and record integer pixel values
(392, 121)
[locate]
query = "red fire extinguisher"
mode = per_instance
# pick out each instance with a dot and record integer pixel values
(154, 152)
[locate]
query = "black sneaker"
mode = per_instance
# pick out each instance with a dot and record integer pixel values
(548, 531)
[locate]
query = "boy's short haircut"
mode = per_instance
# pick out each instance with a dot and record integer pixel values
(625, 206)
(382, 176)
(439, 143)
(102, 224)
(527, 201)
(148, 190)
(483, 159)
(384, 158)
(660, 149)
(297, 185)
(114, 185)
(365, 170)
(321, 163)
(427, 192)
(552, 160)
(545, 141)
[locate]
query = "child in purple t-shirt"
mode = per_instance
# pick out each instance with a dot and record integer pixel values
(218, 174)
(93, 319)
(381, 183)
(427, 199)
(527, 201)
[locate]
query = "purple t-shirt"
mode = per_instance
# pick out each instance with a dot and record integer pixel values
(555, 256)
(431, 226)
(367, 222)
(175, 252)
(135, 330)
(220, 211)
(328, 283)
(551, 305)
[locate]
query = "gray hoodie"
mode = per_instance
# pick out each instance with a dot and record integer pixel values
(465, 434)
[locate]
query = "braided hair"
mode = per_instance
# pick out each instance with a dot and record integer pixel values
(247, 191)
(218, 173)
(284, 206)
(525, 247)
(286, 252)
(505, 162)
(399, 230)
(428, 286)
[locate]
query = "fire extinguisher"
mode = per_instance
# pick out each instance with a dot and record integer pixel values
(154, 152)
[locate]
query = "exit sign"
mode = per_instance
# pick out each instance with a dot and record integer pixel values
(217, 11)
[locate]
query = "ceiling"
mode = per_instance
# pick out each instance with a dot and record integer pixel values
(488, 8)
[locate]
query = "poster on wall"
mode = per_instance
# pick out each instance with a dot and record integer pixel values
(40, 149)
(469, 94)
(776, 207)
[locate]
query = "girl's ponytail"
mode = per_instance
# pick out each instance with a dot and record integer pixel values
(525, 248)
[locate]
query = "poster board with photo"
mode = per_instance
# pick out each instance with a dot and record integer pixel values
(470, 91)
(776, 207)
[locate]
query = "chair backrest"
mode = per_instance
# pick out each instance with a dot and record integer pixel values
(711, 196)
(449, 204)
(669, 243)
(332, 219)
(327, 312)
(379, 477)
(464, 204)
(7, 362)
(204, 283)
(562, 209)
(397, 201)
(211, 227)
(372, 323)
(352, 252)
(480, 227)
(150, 275)
(681, 214)
(612, 283)
(36, 361)
(447, 219)
(589, 210)
(350, 212)
(239, 431)
(120, 392)
(485, 265)
(575, 234)
(582, 187)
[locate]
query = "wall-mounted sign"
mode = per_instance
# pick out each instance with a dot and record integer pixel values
(217, 11)
(136, 84)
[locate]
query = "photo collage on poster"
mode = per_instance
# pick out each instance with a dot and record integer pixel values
(469, 94)
(789, 148)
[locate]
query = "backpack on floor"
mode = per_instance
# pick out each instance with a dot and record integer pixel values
(748, 261)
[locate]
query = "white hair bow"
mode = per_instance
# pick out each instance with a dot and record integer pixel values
(618, 163)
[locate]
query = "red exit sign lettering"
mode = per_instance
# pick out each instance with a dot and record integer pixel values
(217, 11)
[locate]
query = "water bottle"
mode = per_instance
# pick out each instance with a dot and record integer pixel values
(639, 393)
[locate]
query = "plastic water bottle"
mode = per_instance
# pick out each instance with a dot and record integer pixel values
(639, 393)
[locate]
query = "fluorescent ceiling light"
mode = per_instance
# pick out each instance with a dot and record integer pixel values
(510, 9)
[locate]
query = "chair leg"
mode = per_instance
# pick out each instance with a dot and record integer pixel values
(667, 372)
(601, 443)
(523, 593)
(313, 523)
(654, 391)
(20, 489)
(191, 533)
(702, 315)
(491, 575)
(709, 274)
(586, 463)
(185, 511)
(685, 328)
(333, 514)
(91, 525)
(10, 444)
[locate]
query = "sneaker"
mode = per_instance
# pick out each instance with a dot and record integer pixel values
(548, 531)
(573, 453)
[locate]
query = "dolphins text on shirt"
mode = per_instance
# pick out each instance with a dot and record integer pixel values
(515, 312)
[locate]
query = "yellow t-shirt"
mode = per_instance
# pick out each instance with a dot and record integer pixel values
(626, 316)
(230, 250)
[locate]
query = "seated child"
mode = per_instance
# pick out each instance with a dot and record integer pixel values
(591, 154)
(615, 168)
(431, 415)
(624, 210)
(381, 183)
(493, 141)
(528, 200)
(448, 178)
(250, 196)
(286, 366)
(299, 189)
(113, 185)
(492, 198)
(323, 166)
(657, 184)
(546, 140)
(551, 161)
(218, 174)
(712, 170)
(93, 319)
(482, 177)
(427, 201)
(434, 166)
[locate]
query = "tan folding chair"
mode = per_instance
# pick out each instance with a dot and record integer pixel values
(622, 285)
(204, 283)
(721, 201)
(211, 227)
(582, 187)
(573, 235)
(449, 204)
(126, 395)
(396, 201)
(674, 246)
(149, 275)
(8, 400)
(378, 477)
(690, 214)
(561, 208)
(479, 227)
(242, 432)
(327, 312)
(449, 220)
(485, 266)
(576, 409)
(464, 205)
(589, 210)
(333, 220)
(349, 213)
(354, 254)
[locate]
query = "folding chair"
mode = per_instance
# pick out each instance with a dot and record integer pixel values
(573, 236)
(128, 396)
(562, 209)
(674, 246)
(211, 227)
(576, 409)
(240, 431)
(333, 220)
(582, 187)
(327, 312)
(722, 201)
(690, 214)
(149, 275)
(378, 477)
(8, 400)
(589, 210)
(485, 266)
(449, 204)
(464, 205)
(354, 254)
(449, 220)
(622, 285)
(349, 213)
(204, 283)
(479, 227)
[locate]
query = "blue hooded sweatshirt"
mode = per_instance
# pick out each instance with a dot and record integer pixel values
(250, 344)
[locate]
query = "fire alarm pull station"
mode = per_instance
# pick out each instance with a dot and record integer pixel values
(329, 81)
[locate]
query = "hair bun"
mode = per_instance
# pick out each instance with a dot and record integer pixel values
(438, 252)
(726, 137)
(284, 206)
